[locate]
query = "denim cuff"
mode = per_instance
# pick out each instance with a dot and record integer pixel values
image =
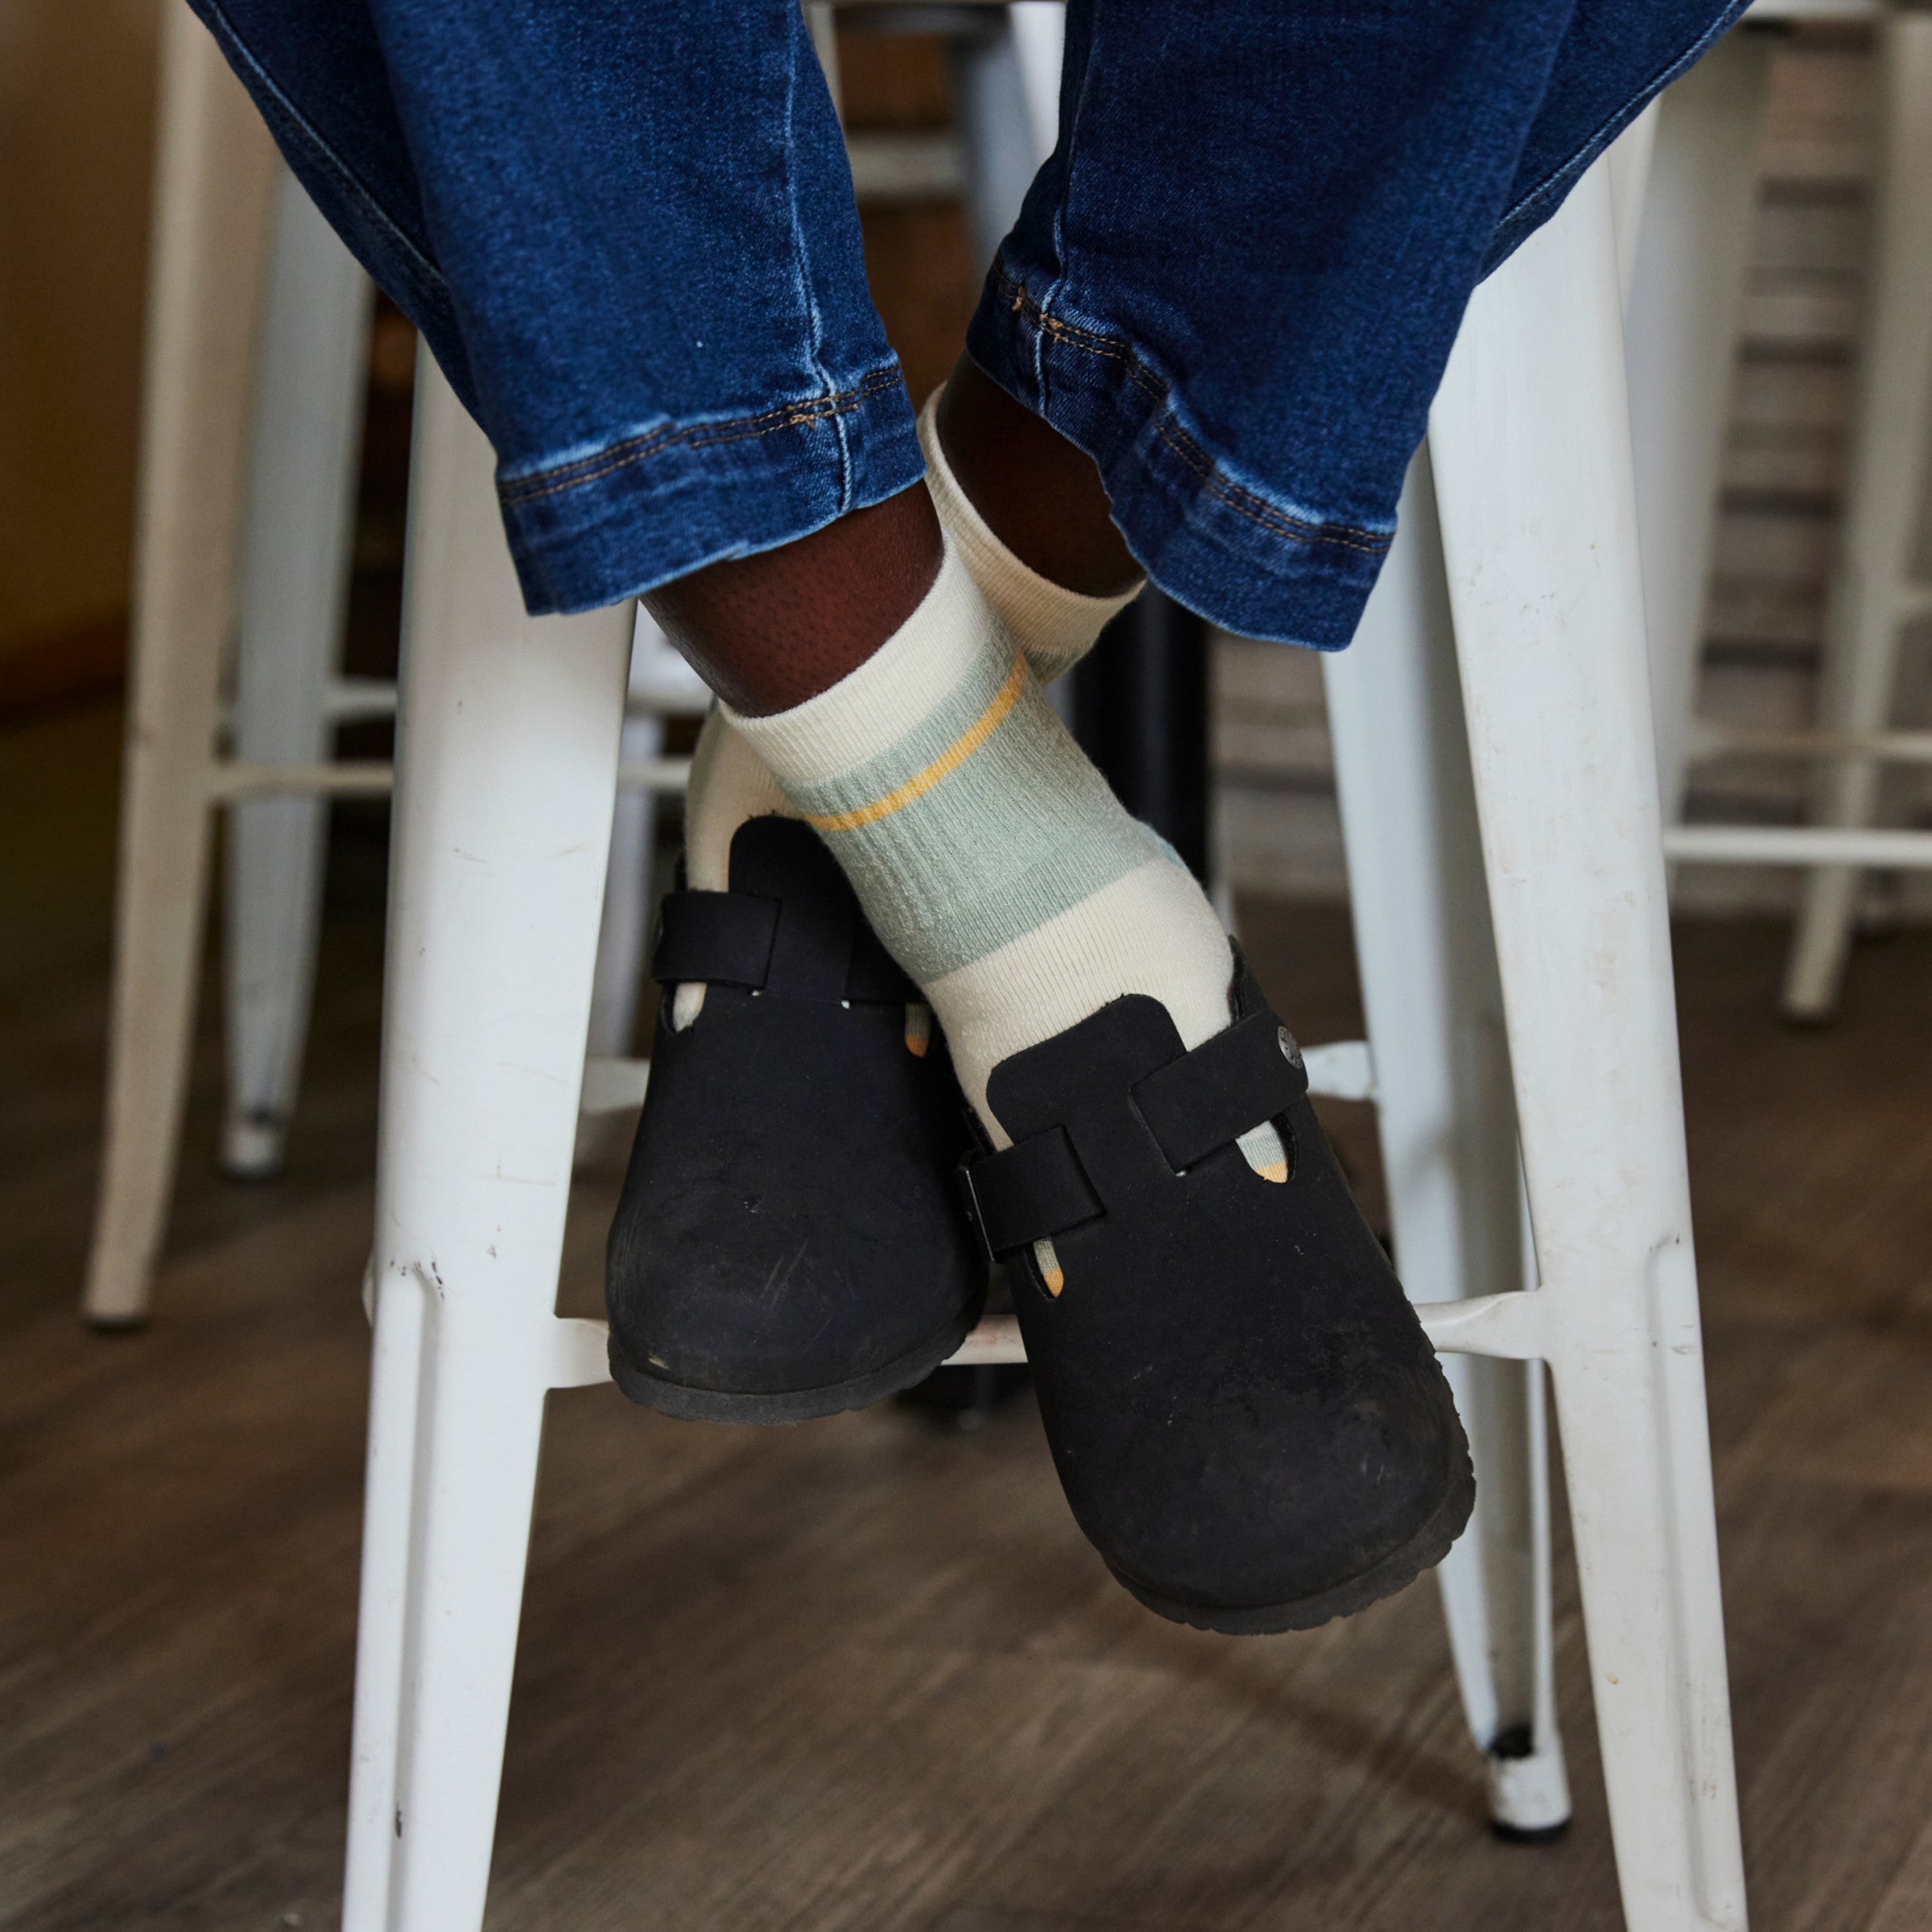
(1242, 555)
(613, 519)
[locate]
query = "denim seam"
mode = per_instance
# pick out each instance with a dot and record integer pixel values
(238, 49)
(1242, 502)
(735, 429)
(1555, 182)
(802, 255)
(1061, 268)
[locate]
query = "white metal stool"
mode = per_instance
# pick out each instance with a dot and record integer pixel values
(272, 508)
(1686, 292)
(509, 736)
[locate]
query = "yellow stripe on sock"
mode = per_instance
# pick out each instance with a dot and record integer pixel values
(954, 755)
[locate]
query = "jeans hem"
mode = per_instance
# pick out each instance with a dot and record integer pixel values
(652, 503)
(1244, 557)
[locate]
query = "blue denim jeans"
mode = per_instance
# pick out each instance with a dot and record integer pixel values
(625, 229)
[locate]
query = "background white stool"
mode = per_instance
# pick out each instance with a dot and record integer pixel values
(295, 562)
(1686, 291)
(298, 537)
(1877, 591)
(214, 188)
(279, 518)
(509, 742)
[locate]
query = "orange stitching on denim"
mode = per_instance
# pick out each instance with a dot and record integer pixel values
(1242, 502)
(635, 449)
(1197, 460)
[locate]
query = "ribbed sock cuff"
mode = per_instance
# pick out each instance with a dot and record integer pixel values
(1055, 627)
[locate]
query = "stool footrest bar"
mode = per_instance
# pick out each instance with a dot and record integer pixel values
(1799, 845)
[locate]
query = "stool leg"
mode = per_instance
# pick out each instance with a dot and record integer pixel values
(506, 779)
(295, 594)
(214, 181)
(990, 103)
(1891, 448)
(627, 888)
(1530, 439)
(1629, 158)
(1687, 291)
(613, 1006)
(389, 1505)
(1447, 1127)
(998, 78)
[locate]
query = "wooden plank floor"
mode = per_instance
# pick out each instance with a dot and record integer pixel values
(860, 1674)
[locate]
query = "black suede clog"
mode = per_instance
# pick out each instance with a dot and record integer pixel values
(789, 1243)
(1248, 1420)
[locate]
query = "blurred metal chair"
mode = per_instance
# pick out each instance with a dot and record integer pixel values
(1687, 262)
(257, 357)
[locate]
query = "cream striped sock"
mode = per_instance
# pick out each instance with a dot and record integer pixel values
(991, 858)
(1054, 626)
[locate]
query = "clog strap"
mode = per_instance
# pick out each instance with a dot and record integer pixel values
(1038, 1187)
(727, 938)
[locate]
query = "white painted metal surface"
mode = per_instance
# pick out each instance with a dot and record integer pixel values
(1039, 36)
(507, 764)
(1447, 1127)
(1006, 88)
(300, 528)
(1629, 159)
(1685, 300)
(215, 178)
(906, 167)
(613, 1084)
(1687, 291)
(1792, 12)
(822, 23)
(1896, 747)
(661, 685)
(509, 753)
(1530, 445)
(1340, 1069)
(214, 273)
(1873, 591)
(1816, 845)
(214, 188)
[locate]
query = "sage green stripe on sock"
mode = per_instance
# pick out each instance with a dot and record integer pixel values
(982, 696)
(989, 855)
(976, 827)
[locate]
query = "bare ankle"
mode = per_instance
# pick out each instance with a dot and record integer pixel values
(767, 632)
